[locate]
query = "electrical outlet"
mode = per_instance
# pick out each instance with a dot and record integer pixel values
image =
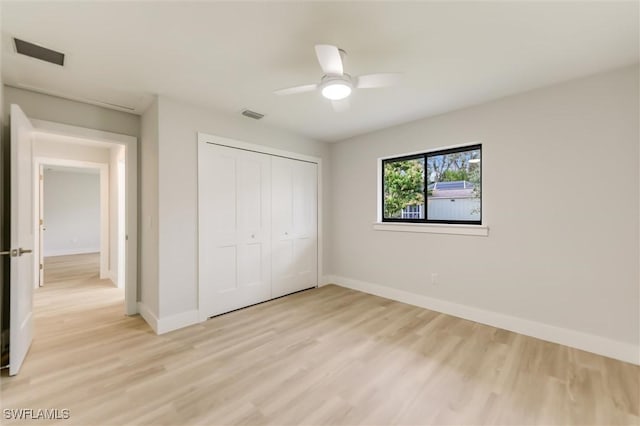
(434, 278)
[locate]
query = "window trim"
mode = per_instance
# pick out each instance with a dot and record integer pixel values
(433, 228)
(424, 155)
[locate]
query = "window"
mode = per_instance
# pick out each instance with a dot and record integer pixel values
(449, 181)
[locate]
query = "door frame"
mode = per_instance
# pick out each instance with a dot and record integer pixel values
(262, 149)
(105, 245)
(131, 196)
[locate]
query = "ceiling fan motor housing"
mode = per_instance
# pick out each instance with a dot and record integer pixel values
(333, 79)
(336, 87)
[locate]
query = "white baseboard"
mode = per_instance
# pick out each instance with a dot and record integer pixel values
(69, 251)
(148, 316)
(177, 321)
(165, 325)
(622, 351)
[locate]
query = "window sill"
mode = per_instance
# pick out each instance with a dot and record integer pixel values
(433, 228)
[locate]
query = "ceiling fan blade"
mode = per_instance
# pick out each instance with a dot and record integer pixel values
(372, 81)
(296, 89)
(329, 59)
(342, 105)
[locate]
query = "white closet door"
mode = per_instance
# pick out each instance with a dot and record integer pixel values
(294, 229)
(234, 195)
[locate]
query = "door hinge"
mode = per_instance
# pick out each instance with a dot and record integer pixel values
(41, 221)
(41, 266)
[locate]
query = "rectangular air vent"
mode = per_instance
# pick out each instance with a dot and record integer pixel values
(39, 52)
(252, 114)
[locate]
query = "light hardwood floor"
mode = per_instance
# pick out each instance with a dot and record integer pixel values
(72, 268)
(324, 356)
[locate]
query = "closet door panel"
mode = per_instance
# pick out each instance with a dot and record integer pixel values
(283, 275)
(294, 226)
(254, 221)
(305, 199)
(305, 264)
(282, 198)
(250, 188)
(234, 228)
(306, 224)
(218, 250)
(282, 249)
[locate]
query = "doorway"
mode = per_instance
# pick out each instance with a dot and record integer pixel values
(111, 159)
(79, 211)
(25, 190)
(71, 212)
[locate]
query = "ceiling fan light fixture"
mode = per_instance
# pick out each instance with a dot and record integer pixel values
(336, 90)
(335, 84)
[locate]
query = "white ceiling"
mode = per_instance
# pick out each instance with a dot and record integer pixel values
(230, 56)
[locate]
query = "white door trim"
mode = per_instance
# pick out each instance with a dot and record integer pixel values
(262, 149)
(39, 162)
(131, 176)
(39, 214)
(232, 143)
(53, 128)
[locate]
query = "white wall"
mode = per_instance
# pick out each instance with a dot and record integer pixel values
(71, 212)
(561, 196)
(149, 211)
(52, 108)
(177, 190)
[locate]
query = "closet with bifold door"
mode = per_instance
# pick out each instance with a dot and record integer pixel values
(257, 227)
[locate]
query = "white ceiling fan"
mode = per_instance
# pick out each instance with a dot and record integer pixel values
(335, 84)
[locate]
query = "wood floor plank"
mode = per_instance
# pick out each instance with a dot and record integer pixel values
(327, 356)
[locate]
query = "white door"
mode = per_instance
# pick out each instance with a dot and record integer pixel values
(234, 204)
(21, 270)
(294, 229)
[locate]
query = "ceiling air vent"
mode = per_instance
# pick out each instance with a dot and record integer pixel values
(39, 52)
(252, 114)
